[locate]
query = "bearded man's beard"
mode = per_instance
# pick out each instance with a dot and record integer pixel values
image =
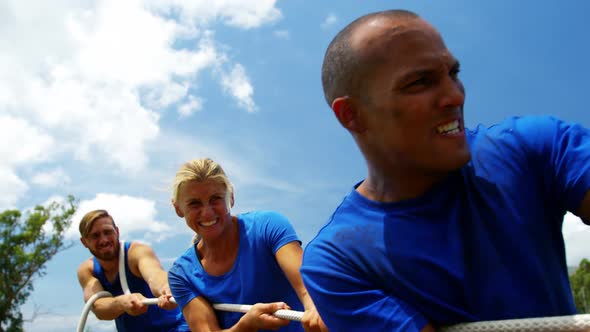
(109, 255)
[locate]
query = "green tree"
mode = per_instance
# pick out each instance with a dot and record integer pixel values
(26, 245)
(580, 282)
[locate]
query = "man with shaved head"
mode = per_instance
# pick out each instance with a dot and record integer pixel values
(450, 225)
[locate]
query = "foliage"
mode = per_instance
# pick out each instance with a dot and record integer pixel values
(580, 282)
(26, 245)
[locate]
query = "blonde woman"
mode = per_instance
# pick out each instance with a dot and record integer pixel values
(245, 259)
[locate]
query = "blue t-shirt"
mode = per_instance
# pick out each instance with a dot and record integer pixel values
(483, 244)
(155, 319)
(255, 277)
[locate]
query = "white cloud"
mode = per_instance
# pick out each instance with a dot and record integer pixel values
(166, 94)
(23, 143)
(11, 188)
(88, 79)
(237, 84)
(577, 237)
(282, 34)
(51, 178)
(133, 215)
(329, 21)
(193, 104)
(239, 13)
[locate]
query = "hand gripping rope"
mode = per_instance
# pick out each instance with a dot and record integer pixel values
(243, 308)
(575, 323)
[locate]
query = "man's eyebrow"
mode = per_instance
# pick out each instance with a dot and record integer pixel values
(413, 73)
(427, 70)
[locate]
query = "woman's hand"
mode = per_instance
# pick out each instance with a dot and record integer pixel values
(260, 316)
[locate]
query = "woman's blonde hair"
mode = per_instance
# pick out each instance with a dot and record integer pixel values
(201, 170)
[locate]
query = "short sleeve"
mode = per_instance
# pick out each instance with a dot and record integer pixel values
(347, 301)
(277, 230)
(563, 155)
(182, 289)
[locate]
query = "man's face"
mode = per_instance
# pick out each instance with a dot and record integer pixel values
(412, 99)
(103, 239)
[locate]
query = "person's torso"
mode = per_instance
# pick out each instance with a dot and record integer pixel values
(155, 319)
(255, 276)
(483, 244)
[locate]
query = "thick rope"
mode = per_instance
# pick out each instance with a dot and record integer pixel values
(243, 308)
(122, 274)
(575, 323)
(87, 307)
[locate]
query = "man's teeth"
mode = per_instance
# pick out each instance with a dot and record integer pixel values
(207, 224)
(449, 128)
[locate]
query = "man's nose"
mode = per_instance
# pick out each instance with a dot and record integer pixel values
(102, 238)
(452, 94)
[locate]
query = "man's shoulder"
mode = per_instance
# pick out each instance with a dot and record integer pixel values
(136, 249)
(339, 230)
(525, 125)
(86, 265)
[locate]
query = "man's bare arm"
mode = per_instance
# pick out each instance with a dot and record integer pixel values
(107, 308)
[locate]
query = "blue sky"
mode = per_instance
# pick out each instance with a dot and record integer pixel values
(106, 99)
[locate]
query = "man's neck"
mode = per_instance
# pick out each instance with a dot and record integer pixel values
(110, 266)
(394, 186)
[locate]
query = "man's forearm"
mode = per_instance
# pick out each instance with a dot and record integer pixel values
(108, 308)
(158, 283)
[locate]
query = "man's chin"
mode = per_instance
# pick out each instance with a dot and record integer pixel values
(106, 256)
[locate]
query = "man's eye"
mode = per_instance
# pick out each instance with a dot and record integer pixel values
(420, 81)
(455, 73)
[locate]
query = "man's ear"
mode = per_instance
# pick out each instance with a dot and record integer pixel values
(178, 210)
(83, 240)
(231, 200)
(348, 114)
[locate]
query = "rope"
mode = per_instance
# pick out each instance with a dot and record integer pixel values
(87, 306)
(575, 323)
(284, 314)
(122, 274)
(243, 308)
